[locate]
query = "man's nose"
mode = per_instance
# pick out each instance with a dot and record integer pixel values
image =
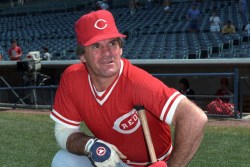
(106, 50)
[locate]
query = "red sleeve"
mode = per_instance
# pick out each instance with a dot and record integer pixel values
(156, 97)
(64, 111)
(19, 50)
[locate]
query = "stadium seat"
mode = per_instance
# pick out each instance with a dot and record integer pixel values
(152, 34)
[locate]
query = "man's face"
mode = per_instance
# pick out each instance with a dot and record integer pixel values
(103, 58)
(14, 44)
(182, 86)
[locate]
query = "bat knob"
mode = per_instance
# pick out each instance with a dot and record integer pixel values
(138, 108)
(159, 164)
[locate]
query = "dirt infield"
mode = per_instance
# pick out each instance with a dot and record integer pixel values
(245, 122)
(26, 111)
(230, 122)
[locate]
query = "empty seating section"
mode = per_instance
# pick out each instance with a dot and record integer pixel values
(152, 34)
(39, 6)
(55, 31)
(185, 46)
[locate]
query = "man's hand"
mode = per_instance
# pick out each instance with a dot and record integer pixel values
(104, 154)
(159, 164)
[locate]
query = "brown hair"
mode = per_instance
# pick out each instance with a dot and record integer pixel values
(80, 50)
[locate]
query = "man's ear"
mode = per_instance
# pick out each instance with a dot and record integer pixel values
(121, 52)
(82, 58)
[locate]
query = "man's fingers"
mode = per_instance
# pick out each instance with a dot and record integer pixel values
(119, 153)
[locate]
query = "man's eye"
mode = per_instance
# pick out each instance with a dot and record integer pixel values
(95, 46)
(114, 43)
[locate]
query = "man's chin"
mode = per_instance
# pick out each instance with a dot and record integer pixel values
(110, 73)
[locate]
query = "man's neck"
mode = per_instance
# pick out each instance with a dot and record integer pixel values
(101, 83)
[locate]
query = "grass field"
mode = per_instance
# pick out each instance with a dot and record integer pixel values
(27, 140)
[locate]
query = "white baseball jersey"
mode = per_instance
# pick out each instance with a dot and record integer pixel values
(247, 28)
(215, 21)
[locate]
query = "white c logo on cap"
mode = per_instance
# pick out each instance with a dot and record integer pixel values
(100, 20)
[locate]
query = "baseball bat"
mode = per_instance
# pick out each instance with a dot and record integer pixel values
(144, 122)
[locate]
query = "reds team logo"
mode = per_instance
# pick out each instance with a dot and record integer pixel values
(100, 151)
(127, 123)
(100, 24)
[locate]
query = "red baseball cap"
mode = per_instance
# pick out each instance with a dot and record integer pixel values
(96, 26)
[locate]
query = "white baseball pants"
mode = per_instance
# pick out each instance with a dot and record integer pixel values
(65, 159)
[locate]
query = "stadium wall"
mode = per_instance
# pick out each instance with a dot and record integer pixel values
(206, 85)
(201, 85)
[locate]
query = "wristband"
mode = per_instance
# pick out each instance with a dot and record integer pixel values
(88, 145)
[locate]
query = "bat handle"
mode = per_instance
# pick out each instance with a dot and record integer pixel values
(144, 122)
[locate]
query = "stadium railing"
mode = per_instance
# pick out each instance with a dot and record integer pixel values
(203, 100)
(42, 97)
(30, 97)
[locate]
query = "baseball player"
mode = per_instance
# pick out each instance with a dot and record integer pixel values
(102, 91)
